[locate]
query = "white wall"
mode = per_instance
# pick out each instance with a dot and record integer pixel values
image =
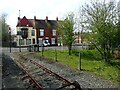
(29, 35)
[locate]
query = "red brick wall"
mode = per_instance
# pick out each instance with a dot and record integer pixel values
(47, 33)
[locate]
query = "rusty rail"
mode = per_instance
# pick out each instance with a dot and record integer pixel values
(38, 86)
(50, 72)
(75, 83)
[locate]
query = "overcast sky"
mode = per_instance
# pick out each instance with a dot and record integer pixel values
(38, 8)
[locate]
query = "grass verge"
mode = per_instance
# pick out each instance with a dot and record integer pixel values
(90, 62)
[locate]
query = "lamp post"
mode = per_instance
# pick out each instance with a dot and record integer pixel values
(20, 34)
(19, 45)
(10, 38)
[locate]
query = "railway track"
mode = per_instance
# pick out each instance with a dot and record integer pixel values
(42, 77)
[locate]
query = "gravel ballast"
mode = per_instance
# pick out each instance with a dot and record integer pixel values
(85, 79)
(12, 75)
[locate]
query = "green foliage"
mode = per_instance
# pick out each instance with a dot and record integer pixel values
(65, 29)
(116, 37)
(3, 29)
(102, 20)
(88, 54)
(0, 28)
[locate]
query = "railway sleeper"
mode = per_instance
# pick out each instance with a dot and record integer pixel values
(24, 77)
(75, 84)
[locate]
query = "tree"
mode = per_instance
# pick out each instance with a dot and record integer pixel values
(79, 24)
(3, 28)
(117, 36)
(118, 9)
(0, 28)
(65, 30)
(101, 19)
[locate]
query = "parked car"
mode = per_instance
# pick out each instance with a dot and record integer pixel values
(46, 43)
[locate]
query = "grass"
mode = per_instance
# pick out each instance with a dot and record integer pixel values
(90, 62)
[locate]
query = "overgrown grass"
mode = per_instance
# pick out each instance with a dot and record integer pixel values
(88, 54)
(90, 62)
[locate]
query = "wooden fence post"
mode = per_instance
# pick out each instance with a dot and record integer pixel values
(79, 62)
(55, 55)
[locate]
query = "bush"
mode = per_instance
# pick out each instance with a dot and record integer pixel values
(91, 47)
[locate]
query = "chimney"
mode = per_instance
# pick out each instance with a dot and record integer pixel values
(18, 18)
(56, 18)
(46, 17)
(34, 24)
(34, 17)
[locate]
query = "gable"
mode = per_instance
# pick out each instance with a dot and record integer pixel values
(24, 22)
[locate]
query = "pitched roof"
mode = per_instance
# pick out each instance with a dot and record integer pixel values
(45, 24)
(41, 24)
(24, 22)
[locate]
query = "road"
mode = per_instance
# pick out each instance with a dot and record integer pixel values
(7, 49)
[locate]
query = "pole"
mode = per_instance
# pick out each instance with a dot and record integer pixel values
(79, 62)
(19, 43)
(55, 55)
(42, 50)
(20, 34)
(10, 41)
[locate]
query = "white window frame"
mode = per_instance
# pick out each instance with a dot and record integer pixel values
(53, 40)
(21, 41)
(28, 42)
(40, 40)
(41, 32)
(54, 32)
(32, 31)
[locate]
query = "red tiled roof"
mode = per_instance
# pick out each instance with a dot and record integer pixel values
(24, 22)
(41, 24)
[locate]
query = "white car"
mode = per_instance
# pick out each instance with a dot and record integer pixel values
(46, 43)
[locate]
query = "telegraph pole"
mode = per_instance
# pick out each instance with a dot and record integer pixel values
(20, 35)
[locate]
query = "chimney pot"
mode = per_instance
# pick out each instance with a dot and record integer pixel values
(46, 17)
(18, 18)
(56, 18)
(34, 17)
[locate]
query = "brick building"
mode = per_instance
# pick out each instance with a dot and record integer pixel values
(36, 31)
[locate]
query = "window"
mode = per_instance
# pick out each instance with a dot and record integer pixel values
(54, 33)
(53, 40)
(33, 32)
(40, 42)
(28, 41)
(24, 32)
(18, 32)
(21, 41)
(41, 32)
